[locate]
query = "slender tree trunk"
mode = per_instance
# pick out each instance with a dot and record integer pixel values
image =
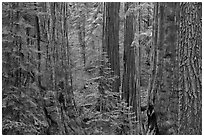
(153, 54)
(18, 42)
(51, 39)
(155, 89)
(38, 48)
(138, 72)
(81, 35)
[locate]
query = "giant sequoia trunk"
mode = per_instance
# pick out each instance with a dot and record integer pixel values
(111, 39)
(190, 68)
(129, 65)
(175, 86)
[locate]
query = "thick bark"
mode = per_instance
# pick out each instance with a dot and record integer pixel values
(175, 86)
(190, 88)
(127, 89)
(111, 39)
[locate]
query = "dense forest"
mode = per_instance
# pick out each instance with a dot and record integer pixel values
(101, 68)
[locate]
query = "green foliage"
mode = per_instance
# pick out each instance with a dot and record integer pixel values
(18, 128)
(22, 111)
(101, 110)
(119, 120)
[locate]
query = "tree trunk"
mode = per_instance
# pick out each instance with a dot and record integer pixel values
(81, 35)
(175, 86)
(160, 87)
(128, 58)
(190, 76)
(137, 82)
(51, 40)
(111, 39)
(38, 48)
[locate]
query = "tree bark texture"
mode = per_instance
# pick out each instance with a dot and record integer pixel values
(190, 68)
(161, 84)
(137, 79)
(128, 82)
(176, 68)
(111, 39)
